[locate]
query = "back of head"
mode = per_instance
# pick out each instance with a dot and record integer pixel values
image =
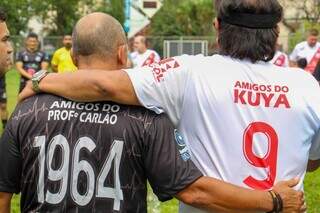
(302, 63)
(97, 34)
(248, 28)
(3, 15)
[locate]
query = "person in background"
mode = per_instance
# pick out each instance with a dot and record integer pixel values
(309, 49)
(142, 55)
(61, 61)
(31, 60)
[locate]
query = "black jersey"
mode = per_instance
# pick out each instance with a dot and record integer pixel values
(32, 61)
(3, 94)
(65, 156)
(3, 83)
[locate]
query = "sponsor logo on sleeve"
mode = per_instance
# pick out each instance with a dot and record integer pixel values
(182, 147)
(159, 69)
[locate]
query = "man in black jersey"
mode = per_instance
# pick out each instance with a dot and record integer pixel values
(31, 60)
(5, 61)
(65, 156)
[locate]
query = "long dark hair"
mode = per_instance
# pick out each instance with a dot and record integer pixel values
(248, 43)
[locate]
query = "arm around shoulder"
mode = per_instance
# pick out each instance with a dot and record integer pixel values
(215, 195)
(91, 85)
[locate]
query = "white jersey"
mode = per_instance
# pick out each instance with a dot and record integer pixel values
(280, 59)
(248, 124)
(303, 50)
(145, 59)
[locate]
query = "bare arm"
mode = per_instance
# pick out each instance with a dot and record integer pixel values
(313, 165)
(215, 195)
(5, 200)
(24, 73)
(88, 86)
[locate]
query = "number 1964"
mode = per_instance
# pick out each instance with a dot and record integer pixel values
(61, 174)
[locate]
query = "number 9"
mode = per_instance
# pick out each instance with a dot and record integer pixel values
(269, 161)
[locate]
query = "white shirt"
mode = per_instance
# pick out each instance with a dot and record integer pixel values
(144, 59)
(303, 50)
(280, 59)
(208, 99)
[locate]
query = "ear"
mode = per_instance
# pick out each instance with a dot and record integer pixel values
(122, 55)
(216, 24)
(74, 58)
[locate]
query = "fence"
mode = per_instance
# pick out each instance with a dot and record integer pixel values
(208, 44)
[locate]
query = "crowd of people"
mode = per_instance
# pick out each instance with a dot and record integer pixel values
(232, 132)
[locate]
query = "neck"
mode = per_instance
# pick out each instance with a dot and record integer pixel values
(98, 64)
(31, 50)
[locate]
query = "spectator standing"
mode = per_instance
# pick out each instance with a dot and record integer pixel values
(31, 60)
(309, 49)
(142, 55)
(61, 61)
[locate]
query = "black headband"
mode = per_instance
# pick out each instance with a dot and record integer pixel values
(249, 20)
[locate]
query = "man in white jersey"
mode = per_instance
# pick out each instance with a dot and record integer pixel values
(280, 58)
(245, 122)
(143, 56)
(309, 49)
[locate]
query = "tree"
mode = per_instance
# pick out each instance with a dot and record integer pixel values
(183, 18)
(300, 11)
(68, 12)
(18, 12)
(299, 17)
(116, 9)
(58, 15)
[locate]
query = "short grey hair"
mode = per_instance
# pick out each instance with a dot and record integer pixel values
(102, 36)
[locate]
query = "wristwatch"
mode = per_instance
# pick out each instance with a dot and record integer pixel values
(36, 78)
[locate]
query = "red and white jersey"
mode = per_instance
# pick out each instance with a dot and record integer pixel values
(312, 54)
(145, 59)
(248, 124)
(280, 59)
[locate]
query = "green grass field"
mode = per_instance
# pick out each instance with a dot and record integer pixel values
(312, 181)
